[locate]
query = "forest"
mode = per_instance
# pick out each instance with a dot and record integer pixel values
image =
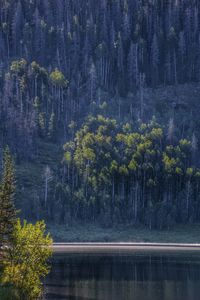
(123, 175)
(99, 105)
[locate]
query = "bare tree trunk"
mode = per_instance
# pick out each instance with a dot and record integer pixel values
(188, 197)
(46, 192)
(136, 201)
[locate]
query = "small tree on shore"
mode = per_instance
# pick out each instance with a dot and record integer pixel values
(27, 260)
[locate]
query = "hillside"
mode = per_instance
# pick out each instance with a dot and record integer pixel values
(99, 104)
(158, 102)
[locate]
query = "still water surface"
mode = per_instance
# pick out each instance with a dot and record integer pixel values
(136, 276)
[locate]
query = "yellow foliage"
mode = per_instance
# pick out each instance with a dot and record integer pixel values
(26, 261)
(58, 78)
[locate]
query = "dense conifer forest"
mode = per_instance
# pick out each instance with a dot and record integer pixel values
(99, 104)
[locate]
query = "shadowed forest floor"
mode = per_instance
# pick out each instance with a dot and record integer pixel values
(96, 233)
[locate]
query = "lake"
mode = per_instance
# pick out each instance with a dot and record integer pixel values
(124, 276)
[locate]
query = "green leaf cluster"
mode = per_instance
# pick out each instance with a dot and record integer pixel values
(26, 262)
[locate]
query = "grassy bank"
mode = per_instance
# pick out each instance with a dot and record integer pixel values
(95, 233)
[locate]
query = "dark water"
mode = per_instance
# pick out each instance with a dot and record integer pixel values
(124, 277)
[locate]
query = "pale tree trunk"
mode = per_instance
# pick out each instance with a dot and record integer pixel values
(136, 201)
(47, 180)
(188, 197)
(142, 81)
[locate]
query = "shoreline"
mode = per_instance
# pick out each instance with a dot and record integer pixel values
(122, 247)
(94, 233)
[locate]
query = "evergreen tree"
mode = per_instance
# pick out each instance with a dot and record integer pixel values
(7, 189)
